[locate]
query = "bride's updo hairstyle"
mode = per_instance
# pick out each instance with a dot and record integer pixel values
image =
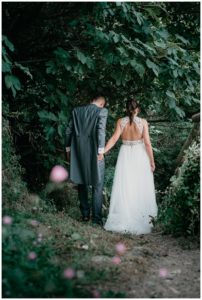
(131, 105)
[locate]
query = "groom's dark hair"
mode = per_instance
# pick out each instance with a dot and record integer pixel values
(98, 96)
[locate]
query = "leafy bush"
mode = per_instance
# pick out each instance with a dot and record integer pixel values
(32, 277)
(39, 246)
(179, 212)
(13, 187)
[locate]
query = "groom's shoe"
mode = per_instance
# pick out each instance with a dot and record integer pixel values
(86, 219)
(98, 223)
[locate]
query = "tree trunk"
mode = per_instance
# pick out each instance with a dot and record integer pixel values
(195, 131)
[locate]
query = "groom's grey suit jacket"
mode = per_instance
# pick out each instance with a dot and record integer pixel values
(85, 135)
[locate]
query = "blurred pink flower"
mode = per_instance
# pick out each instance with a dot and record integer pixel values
(32, 256)
(96, 294)
(34, 222)
(163, 272)
(58, 174)
(7, 220)
(116, 260)
(120, 248)
(69, 273)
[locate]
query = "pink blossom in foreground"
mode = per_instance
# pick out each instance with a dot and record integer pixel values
(69, 273)
(34, 222)
(96, 294)
(120, 248)
(7, 220)
(116, 260)
(58, 174)
(163, 272)
(32, 256)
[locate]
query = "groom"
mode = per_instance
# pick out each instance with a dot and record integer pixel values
(85, 137)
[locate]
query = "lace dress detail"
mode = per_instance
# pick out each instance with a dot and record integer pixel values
(136, 120)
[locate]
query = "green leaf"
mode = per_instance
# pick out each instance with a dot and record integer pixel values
(61, 53)
(81, 57)
(13, 83)
(24, 69)
(139, 17)
(124, 62)
(43, 114)
(163, 33)
(49, 131)
(90, 63)
(171, 103)
(170, 94)
(116, 38)
(175, 73)
(51, 67)
(179, 112)
(6, 67)
(160, 44)
(8, 43)
(60, 130)
(196, 68)
(153, 66)
(109, 57)
(139, 68)
(179, 37)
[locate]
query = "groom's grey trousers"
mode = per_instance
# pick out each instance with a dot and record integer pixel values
(96, 196)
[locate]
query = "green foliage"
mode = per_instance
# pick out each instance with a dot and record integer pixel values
(57, 241)
(13, 188)
(125, 49)
(23, 277)
(8, 67)
(179, 212)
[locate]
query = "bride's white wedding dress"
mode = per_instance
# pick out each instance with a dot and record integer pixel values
(133, 199)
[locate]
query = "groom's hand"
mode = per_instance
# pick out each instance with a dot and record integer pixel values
(100, 156)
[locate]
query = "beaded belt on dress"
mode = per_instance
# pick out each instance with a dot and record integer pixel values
(131, 143)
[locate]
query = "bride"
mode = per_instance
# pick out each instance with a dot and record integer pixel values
(133, 200)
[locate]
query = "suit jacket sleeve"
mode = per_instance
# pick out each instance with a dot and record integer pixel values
(102, 120)
(68, 134)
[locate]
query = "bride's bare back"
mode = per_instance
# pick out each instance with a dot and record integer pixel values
(133, 131)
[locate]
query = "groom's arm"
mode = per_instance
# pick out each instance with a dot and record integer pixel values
(101, 130)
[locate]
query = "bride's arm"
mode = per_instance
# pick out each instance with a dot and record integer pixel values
(148, 145)
(112, 141)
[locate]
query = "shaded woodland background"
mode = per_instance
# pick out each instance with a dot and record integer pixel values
(57, 56)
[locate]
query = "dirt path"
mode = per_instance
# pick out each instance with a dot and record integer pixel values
(160, 266)
(154, 265)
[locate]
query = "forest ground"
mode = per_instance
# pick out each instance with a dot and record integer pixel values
(138, 273)
(153, 266)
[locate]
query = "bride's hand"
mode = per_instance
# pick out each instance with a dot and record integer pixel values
(152, 166)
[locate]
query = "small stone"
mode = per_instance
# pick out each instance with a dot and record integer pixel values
(101, 259)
